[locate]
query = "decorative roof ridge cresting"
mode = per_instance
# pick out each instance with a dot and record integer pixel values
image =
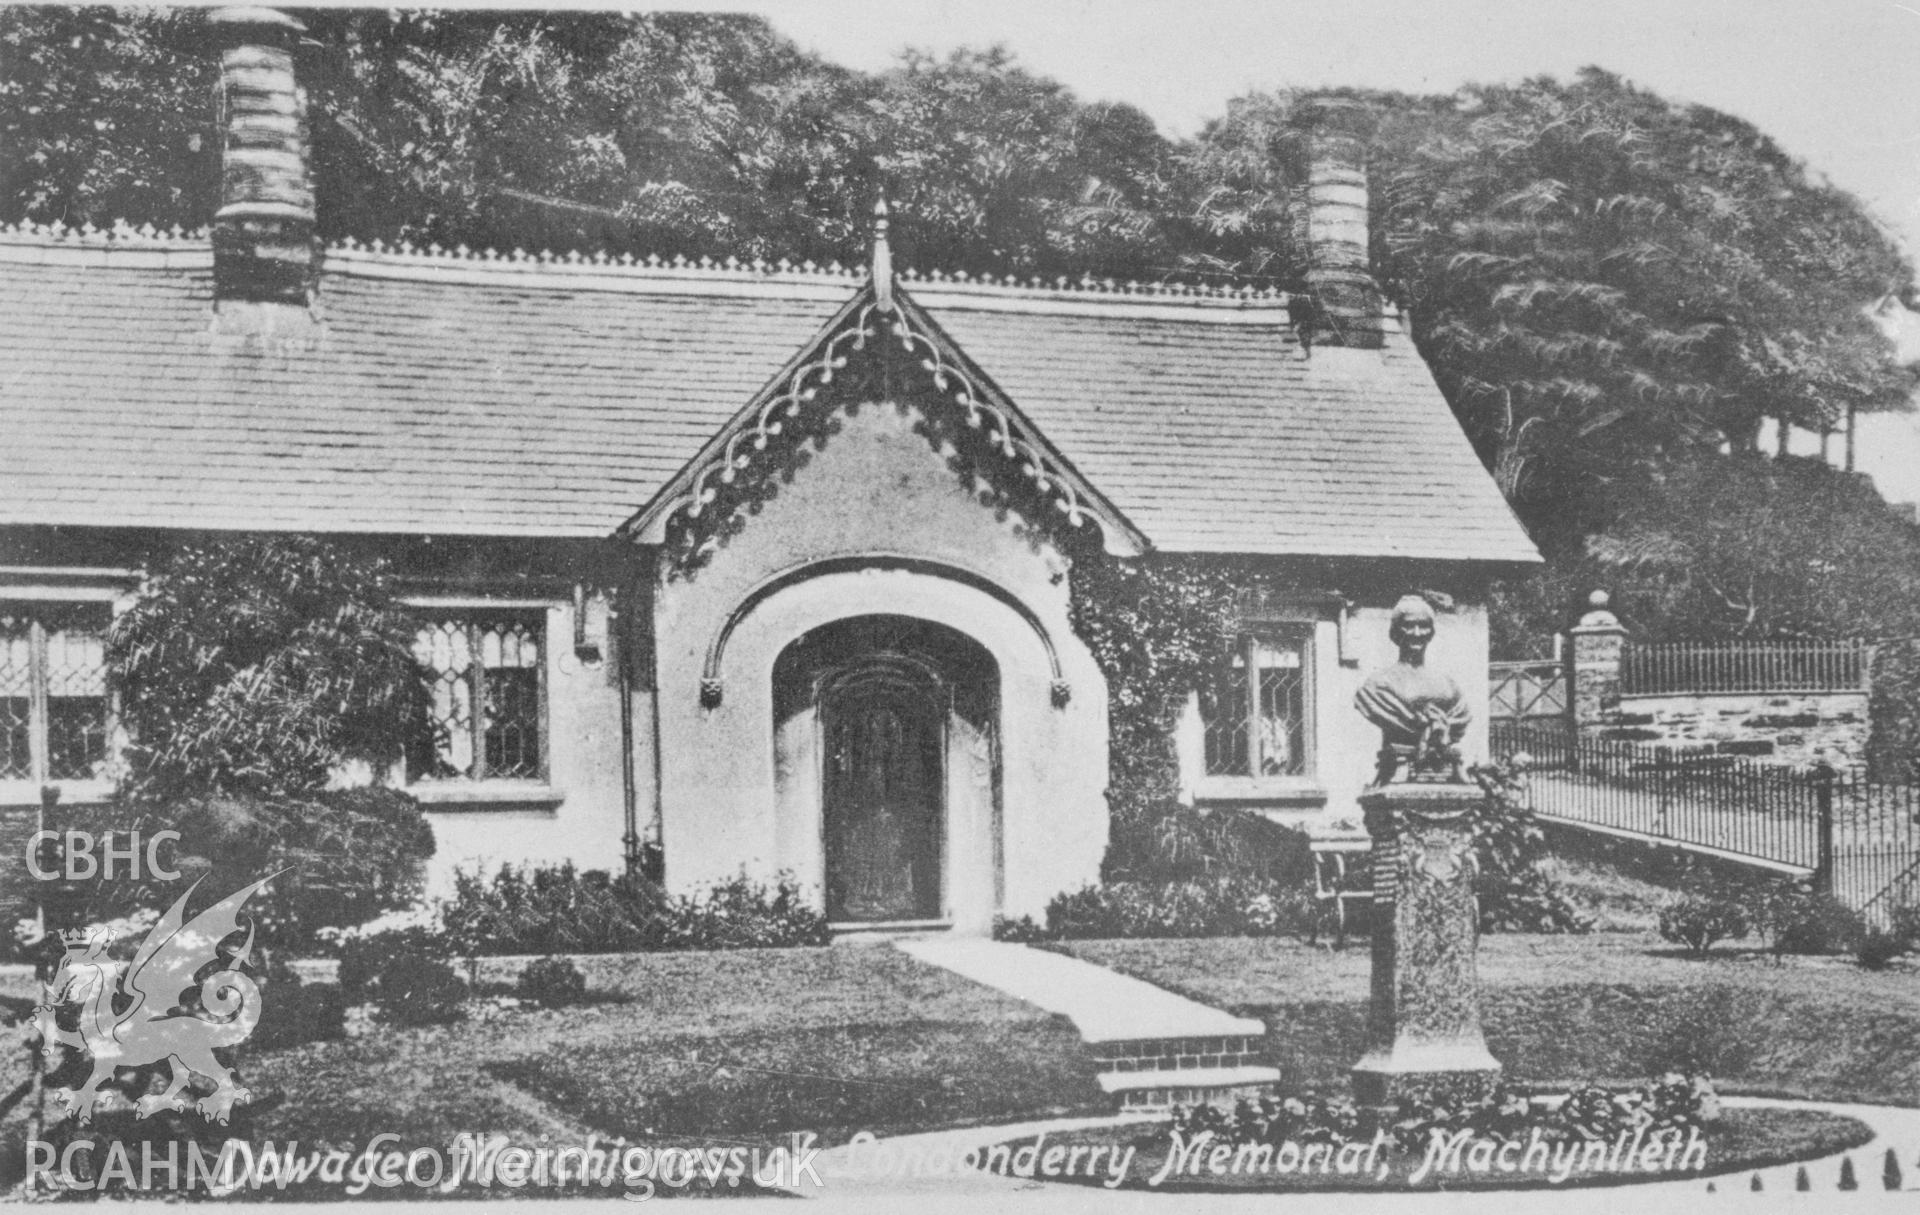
(777, 409)
(349, 253)
(117, 234)
(600, 260)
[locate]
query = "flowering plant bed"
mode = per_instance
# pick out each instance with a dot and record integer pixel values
(1670, 1130)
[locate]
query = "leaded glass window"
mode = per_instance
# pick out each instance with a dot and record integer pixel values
(1255, 710)
(53, 692)
(486, 679)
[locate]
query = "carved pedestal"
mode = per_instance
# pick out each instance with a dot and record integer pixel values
(1423, 1027)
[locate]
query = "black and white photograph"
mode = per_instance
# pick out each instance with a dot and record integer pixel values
(1089, 606)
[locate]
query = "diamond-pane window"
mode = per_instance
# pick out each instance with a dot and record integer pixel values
(16, 712)
(53, 692)
(1255, 710)
(485, 676)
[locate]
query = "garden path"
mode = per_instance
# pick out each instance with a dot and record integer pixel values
(1104, 1005)
(1153, 1048)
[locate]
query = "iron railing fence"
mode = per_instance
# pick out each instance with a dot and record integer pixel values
(1746, 666)
(1875, 866)
(1860, 839)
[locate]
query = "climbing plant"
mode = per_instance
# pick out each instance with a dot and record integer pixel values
(1157, 626)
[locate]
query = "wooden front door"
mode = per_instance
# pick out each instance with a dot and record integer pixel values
(882, 802)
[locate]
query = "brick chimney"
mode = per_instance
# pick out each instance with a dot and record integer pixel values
(263, 243)
(1344, 307)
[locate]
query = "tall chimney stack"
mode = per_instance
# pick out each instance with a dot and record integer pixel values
(263, 242)
(1346, 305)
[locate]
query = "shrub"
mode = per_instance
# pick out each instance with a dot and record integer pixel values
(561, 910)
(1698, 920)
(1590, 1113)
(1022, 931)
(250, 670)
(1515, 895)
(293, 1012)
(554, 910)
(552, 983)
(366, 961)
(1876, 949)
(259, 664)
(1801, 922)
(1158, 839)
(415, 990)
(341, 857)
(744, 914)
(1195, 908)
(1906, 924)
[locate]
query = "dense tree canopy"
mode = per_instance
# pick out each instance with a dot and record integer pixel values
(106, 115)
(1613, 290)
(1713, 546)
(1600, 279)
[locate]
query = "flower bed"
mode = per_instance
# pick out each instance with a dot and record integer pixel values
(1670, 1130)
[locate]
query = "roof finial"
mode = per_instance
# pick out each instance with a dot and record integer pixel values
(882, 264)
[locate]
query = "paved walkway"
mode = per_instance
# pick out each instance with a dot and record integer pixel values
(1103, 1006)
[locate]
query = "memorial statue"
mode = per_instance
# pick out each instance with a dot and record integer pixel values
(1420, 711)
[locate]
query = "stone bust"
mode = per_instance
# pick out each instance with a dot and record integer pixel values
(1420, 711)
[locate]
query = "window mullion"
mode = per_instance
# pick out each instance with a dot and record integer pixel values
(39, 751)
(1250, 650)
(545, 735)
(477, 671)
(1309, 709)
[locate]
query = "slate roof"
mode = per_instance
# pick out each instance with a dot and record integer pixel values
(466, 397)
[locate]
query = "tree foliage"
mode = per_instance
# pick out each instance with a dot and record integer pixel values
(106, 115)
(1611, 288)
(711, 135)
(1600, 279)
(1714, 546)
(259, 665)
(250, 670)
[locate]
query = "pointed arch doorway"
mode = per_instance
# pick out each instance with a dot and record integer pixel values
(904, 762)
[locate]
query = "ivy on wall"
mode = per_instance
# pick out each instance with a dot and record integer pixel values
(1158, 627)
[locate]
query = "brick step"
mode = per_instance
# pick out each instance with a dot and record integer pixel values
(1162, 1090)
(1173, 1054)
(1147, 1074)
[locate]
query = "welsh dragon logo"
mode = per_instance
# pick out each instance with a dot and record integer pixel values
(167, 1008)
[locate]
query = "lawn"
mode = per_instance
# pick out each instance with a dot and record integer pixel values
(737, 1048)
(742, 1048)
(1616, 901)
(1615, 1007)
